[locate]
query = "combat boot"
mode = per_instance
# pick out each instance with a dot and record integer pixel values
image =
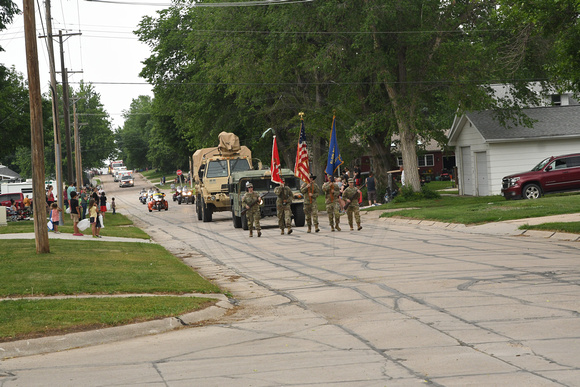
(316, 229)
(289, 230)
(281, 231)
(351, 228)
(331, 227)
(309, 229)
(259, 233)
(337, 228)
(251, 234)
(359, 227)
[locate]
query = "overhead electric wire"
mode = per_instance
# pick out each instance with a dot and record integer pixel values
(216, 5)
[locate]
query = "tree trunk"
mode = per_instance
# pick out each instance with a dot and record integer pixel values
(382, 159)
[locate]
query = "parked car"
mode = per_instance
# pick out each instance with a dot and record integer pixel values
(17, 197)
(126, 181)
(554, 174)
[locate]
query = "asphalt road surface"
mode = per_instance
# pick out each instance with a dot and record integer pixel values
(396, 305)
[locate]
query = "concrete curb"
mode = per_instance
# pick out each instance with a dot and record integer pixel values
(101, 336)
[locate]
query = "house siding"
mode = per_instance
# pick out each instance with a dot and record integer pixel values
(468, 142)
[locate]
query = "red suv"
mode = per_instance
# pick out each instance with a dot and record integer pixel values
(554, 174)
(17, 197)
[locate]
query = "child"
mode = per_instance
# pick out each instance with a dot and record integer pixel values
(75, 213)
(113, 206)
(55, 217)
(94, 218)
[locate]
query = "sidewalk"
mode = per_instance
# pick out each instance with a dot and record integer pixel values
(86, 237)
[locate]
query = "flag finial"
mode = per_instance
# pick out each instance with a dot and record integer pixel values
(301, 114)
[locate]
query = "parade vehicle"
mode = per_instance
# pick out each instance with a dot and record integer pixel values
(126, 181)
(186, 196)
(143, 196)
(158, 202)
(177, 193)
(263, 185)
(212, 168)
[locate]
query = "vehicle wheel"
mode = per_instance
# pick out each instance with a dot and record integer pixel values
(299, 217)
(198, 208)
(237, 220)
(179, 201)
(206, 212)
(244, 221)
(531, 191)
(150, 210)
(166, 206)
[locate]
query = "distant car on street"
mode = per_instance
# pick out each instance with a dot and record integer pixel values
(126, 181)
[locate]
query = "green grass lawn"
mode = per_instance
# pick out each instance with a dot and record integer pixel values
(88, 267)
(117, 225)
(569, 227)
(475, 210)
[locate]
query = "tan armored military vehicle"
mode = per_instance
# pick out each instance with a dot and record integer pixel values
(212, 168)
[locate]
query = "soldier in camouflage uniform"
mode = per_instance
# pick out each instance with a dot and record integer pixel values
(311, 192)
(251, 202)
(351, 196)
(332, 192)
(283, 209)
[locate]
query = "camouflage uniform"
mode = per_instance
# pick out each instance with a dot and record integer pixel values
(283, 203)
(332, 193)
(352, 194)
(251, 199)
(310, 208)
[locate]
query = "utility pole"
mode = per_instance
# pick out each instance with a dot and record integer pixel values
(65, 98)
(37, 135)
(78, 159)
(57, 147)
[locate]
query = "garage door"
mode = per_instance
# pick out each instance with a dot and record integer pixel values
(466, 171)
(482, 178)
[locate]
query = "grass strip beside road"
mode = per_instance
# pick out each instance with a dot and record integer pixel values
(568, 227)
(75, 267)
(485, 209)
(117, 225)
(26, 319)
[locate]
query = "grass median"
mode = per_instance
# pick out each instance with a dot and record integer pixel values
(93, 268)
(478, 210)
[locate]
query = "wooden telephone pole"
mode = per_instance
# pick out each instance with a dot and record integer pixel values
(37, 136)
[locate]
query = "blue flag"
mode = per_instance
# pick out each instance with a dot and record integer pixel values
(334, 159)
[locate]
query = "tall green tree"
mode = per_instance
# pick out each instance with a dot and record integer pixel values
(7, 11)
(133, 138)
(386, 67)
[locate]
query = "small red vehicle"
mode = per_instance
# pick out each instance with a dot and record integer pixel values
(158, 202)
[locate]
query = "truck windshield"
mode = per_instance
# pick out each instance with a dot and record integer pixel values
(217, 168)
(239, 165)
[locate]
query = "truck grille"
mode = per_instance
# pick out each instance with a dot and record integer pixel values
(505, 183)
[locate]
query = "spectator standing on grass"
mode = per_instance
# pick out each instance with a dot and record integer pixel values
(113, 206)
(70, 188)
(103, 203)
(371, 189)
(75, 213)
(49, 197)
(84, 203)
(55, 217)
(402, 176)
(94, 218)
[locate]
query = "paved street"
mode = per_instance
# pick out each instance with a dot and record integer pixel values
(395, 304)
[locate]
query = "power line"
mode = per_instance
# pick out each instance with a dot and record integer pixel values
(217, 5)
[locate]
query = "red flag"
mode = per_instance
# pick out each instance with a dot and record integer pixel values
(275, 165)
(301, 168)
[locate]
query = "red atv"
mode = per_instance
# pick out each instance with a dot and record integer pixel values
(158, 202)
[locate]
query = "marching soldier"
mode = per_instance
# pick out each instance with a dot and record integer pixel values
(251, 201)
(332, 192)
(351, 196)
(283, 203)
(311, 192)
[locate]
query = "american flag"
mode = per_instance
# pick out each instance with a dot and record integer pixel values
(301, 168)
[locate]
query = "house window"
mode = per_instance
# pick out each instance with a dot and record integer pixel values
(422, 161)
(556, 100)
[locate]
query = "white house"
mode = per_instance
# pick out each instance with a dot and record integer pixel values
(486, 151)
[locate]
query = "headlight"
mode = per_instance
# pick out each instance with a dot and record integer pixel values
(213, 198)
(514, 181)
(298, 196)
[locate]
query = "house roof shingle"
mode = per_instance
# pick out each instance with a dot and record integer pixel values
(550, 122)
